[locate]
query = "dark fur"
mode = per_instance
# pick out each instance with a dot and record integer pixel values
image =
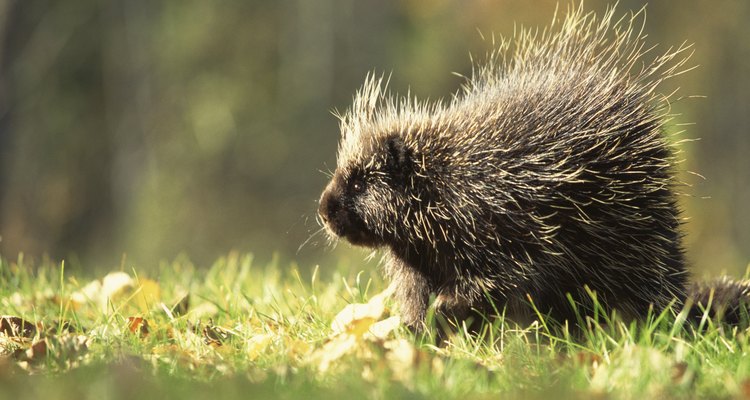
(722, 300)
(547, 176)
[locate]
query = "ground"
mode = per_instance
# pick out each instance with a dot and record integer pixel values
(239, 330)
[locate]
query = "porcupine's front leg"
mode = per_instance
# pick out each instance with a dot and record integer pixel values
(411, 291)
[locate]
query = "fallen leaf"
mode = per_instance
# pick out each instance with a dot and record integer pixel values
(56, 328)
(401, 357)
(37, 351)
(8, 368)
(102, 292)
(173, 354)
(334, 350)
(297, 348)
(147, 295)
(381, 329)
(678, 371)
(139, 326)
(257, 344)
(357, 318)
(682, 374)
(115, 283)
(16, 327)
(65, 348)
(588, 359)
(91, 293)
(214, 335)
(356, 327)
(745, 388)
(69, 344)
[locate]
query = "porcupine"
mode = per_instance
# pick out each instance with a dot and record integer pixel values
(547, 178)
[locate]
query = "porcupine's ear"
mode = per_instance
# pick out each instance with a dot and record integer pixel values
(398, 159)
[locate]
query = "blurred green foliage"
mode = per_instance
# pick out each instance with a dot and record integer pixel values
(155, 127)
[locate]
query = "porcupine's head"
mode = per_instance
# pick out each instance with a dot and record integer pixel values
(374, 181)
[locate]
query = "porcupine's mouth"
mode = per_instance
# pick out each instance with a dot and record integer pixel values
(340, 221)
(354, 230)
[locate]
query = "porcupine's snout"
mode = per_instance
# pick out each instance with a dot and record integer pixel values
(328, 207)
(337, 213)
(340, 215)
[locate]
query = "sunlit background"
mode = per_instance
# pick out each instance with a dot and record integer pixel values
(154, 128)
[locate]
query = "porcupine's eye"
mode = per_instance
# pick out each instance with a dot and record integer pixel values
(358, 187)
(356, 183)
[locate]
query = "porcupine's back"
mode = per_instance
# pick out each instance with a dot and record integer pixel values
(580, 129)
(548, 174)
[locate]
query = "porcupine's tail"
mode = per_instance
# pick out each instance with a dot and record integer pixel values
(723, 299)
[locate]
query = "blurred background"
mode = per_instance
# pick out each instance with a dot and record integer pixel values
(153, 128)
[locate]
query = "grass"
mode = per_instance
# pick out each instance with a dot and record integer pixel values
(238, 330)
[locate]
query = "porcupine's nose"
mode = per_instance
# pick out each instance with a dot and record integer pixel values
(326, 205)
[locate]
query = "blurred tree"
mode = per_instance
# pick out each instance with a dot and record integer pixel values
(55, 165)
(165, 126)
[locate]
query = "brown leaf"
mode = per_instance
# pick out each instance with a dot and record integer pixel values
(745, 388)
(69, 345)
(139, 326)
(8, 368)
(678, 371)
(215, 335)
(56, 327)
(35, 353)
(588, 359)
(16, 327)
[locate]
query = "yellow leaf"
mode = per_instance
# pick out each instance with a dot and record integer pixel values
(297, 348)
(381, 329)
(357, 318)
(91, 293)
(114, 287)
(359, 327)
(257, 344)
(401, 357)
(147, 295)
(334, 350)
(115, 283)
(353, 327)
